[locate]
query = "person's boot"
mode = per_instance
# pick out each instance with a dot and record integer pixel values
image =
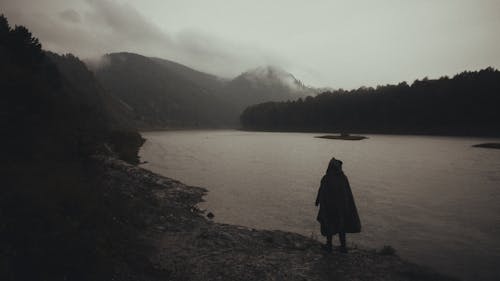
(343, 247)
(327, 247)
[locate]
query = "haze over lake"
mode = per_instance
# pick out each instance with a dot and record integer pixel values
(434, 199)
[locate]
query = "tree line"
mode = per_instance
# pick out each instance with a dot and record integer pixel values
(466, 104)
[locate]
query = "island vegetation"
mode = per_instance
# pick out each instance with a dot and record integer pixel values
(342, 136)
(494, 145)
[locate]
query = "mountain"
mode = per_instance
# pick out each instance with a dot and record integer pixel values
(265, 84)
(163, 93)
(206, 81)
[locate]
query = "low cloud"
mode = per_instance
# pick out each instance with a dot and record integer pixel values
(70, 15)
(344, 44)
(97, 27)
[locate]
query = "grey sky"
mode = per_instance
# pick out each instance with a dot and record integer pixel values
(342, 44)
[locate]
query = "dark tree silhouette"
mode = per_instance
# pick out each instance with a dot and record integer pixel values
(466, 104)
(56, 222)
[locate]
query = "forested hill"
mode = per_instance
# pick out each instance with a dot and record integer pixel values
(467, 104)
(263, 84)
(55, 212)
(163, 93)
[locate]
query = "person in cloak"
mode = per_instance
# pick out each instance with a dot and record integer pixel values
(337, 212)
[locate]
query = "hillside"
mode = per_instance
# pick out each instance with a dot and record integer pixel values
(164, 94)
(205, 81)
(86, 90)
(56, 220)
(160, 93)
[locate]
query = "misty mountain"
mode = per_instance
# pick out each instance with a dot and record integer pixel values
(207, 82)
(163, 93)
(265, 84)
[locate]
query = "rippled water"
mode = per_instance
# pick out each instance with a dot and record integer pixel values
(435, 199)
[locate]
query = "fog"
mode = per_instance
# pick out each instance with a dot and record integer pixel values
(342, 44)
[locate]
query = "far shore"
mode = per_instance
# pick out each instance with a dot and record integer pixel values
(492, 145)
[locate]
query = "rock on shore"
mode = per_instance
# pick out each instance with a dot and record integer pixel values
(184, 245)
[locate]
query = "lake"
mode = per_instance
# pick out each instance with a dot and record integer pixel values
(434, 199)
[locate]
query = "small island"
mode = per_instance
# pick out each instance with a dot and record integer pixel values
(494, 145)
(342, 136)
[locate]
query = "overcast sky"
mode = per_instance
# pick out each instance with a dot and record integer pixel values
(342, 44)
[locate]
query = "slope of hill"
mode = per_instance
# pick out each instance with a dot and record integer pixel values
(56, 220)
(163, 93)
(86, 91)
(207, 82)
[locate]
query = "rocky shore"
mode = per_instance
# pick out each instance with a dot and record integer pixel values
(181, 243)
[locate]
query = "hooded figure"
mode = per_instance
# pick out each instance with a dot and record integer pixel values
(337, 211)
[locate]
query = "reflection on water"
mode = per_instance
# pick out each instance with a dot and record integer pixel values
(435, 199)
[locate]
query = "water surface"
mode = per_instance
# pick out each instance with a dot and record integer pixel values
(434, 199)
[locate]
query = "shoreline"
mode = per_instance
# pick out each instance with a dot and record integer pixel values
(490, 145)
(183, 244)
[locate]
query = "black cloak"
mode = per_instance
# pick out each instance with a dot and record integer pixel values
(337, 211)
